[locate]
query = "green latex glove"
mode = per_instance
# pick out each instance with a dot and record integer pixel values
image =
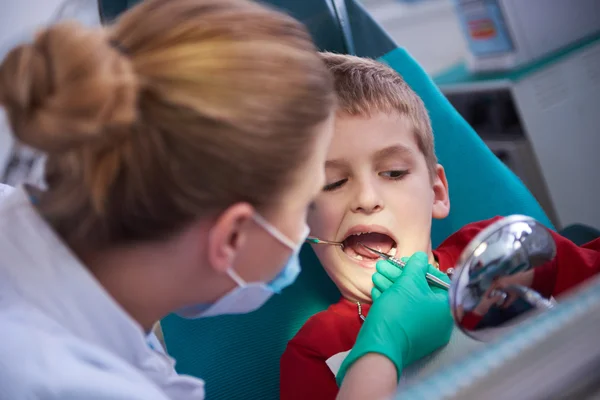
(407, 322)
(385, 276)
(387, 273)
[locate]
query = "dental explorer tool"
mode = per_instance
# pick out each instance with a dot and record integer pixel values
(430, 277)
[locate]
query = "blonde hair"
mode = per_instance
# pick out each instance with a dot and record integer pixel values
(364, 86)
(179, 110)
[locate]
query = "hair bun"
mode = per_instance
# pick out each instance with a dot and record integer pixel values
(68, 88)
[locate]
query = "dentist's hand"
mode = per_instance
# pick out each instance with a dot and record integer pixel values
(407, 322)
(387, 273)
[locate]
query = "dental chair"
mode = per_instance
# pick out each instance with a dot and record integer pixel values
(238, 356)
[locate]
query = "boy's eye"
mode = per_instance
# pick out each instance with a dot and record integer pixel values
(335, 185)
(395, 174)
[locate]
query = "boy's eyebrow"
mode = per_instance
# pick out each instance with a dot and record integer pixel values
(396, 150)
(338, 163)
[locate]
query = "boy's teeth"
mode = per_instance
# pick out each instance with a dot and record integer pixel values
(358, 257)
(393, 252)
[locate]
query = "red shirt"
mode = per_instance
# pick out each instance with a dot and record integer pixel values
(304, 371)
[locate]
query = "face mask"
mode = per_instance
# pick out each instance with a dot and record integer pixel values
(248, 297)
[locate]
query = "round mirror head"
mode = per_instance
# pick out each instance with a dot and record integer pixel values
(490, 289)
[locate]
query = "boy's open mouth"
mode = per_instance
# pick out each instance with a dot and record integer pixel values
(375, 240)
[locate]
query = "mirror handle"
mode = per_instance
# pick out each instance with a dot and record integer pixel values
(532, 297)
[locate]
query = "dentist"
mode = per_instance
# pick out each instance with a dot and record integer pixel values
(181, 142)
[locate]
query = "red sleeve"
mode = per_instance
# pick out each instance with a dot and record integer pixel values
(470, 320)
(572, 265)
(305, 375)
(450, 250)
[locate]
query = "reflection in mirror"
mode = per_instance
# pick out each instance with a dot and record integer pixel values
(490, 289)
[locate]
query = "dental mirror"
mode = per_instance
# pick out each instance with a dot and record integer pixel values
(490, 290)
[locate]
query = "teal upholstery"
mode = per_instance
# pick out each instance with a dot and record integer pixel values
(580, 234)
(238, 356)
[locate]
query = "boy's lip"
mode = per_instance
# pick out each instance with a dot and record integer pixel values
(369, 229)
(368, 264)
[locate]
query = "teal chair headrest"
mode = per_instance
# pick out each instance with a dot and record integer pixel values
(481, 186)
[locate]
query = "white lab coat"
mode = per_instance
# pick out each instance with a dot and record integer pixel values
(61, 335)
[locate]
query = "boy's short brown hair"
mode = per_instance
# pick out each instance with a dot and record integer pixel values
(364, 86)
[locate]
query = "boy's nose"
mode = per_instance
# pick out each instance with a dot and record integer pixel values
(367, 200)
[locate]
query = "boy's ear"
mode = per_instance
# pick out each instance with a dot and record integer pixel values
(441, 197)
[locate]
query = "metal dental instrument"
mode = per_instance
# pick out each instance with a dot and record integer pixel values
(315, 240)
(430, 278)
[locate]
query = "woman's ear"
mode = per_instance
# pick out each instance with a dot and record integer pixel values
(441, 197)
(228, 235)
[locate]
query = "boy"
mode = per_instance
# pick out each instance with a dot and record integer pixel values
(384, 186)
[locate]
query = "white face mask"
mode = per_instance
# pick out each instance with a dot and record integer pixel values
(248, 297)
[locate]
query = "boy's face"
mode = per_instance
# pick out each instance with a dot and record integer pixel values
(378, 192)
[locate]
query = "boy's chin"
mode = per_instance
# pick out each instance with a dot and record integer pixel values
(356, 284)
(361, 293)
